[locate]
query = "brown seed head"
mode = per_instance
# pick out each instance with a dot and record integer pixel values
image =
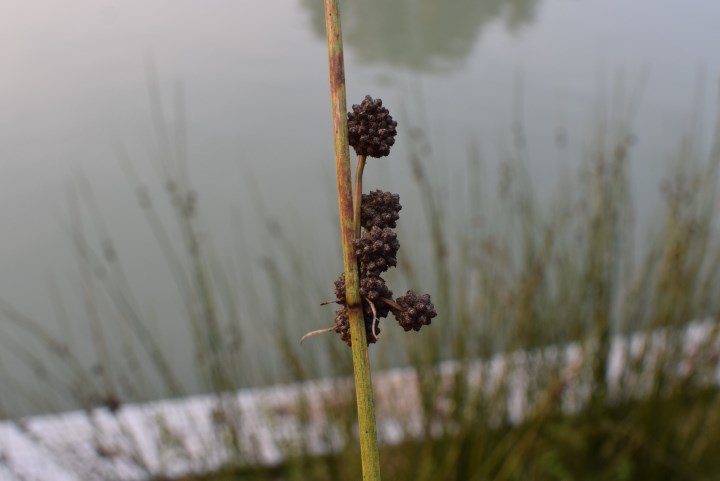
(377, 251)
(371, 128)
(380, 209)
(372, 289)
(342, 327)
(417, 311)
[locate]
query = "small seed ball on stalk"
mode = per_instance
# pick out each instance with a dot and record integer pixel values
(377, 251)
(417, 311)
(342, 327)
(371, 128)
(380, 209)
(372, 289)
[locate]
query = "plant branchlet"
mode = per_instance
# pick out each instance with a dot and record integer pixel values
(371, 132)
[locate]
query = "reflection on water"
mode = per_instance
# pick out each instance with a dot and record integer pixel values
(422, 35)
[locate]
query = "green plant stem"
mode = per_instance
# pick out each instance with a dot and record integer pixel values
(361, 364)
(358, 194)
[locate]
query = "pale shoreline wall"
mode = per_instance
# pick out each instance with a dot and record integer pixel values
(200, 434)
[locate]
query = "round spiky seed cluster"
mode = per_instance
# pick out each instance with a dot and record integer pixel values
(380, 209)
(377, 251)
(342, 327)
(371, 128)
(372, 289)
(417, 311)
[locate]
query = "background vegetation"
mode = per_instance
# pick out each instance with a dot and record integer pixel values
(508, 271)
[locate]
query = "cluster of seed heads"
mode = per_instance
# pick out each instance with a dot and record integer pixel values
(342, 327)
(371, 132)
(376, 251)
(373, 289)
(371, 128)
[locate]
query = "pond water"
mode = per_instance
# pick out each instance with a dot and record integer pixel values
(249, 78)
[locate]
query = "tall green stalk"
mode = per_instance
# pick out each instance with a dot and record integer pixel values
(348, 229)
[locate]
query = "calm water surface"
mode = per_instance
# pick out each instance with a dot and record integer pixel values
(251, 77)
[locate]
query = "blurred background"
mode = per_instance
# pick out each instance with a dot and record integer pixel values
(170, 224)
